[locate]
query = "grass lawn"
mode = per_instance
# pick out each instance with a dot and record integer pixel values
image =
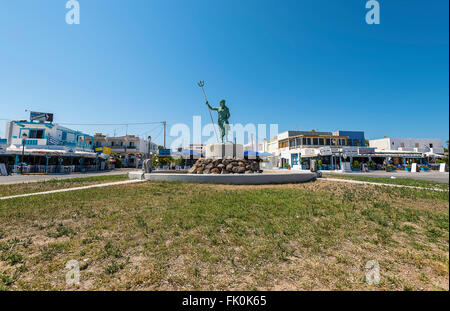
(396, 181)
(173, 236)
(53, 184)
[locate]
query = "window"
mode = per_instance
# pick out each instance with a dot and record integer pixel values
(328, 142)
(36, 134)
(417, 145)
(342, 142)
(294, 159)
(64, 136)
(299, 141)
(431, 145)
(321, 141)
(315, 141)
(402, 145)
(354, 142)
(292, 143)
(283, 144)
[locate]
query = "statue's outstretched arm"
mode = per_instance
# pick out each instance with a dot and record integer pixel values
(212, 108)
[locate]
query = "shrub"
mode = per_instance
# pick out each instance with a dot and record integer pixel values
(355, 164)
(118, 161)
(319, 163)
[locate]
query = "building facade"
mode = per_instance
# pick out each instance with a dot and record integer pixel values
(130, 148)
(424, 145)
(354, 138)
(198, 148)
(3, 143)
(45, 147)
(257, 146)
(338, 150)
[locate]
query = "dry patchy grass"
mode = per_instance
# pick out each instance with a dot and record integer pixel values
(54, 184)
(173, 236)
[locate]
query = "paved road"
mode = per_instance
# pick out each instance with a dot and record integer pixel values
(432, 176)
(33, 178)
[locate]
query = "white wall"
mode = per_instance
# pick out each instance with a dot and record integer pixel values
(283, 135)
(381, 144)
(408, 144)
(260, 146)
(272, 147)
(16, 133)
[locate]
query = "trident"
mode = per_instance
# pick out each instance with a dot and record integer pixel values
(202, 84)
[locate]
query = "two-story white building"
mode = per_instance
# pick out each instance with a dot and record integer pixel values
(129, 148)
(45, 147)
(39, 135)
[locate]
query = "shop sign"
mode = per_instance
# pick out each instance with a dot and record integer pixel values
(325, 151)
(366, 150)
(350, 152)
(164, 152)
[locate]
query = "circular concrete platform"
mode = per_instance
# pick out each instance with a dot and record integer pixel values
(231, 179)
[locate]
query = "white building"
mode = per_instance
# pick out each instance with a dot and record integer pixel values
(258, 146)
(46, 137)
(45, 147)
(129, 147)
(423, 145)
(199, 148)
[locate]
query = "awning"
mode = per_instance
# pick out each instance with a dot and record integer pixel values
(55, 152)
(434, 155)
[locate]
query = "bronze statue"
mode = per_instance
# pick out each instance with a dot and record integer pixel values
(224, 115)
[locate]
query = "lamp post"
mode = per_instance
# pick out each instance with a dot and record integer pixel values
(24, 137)
(149, 142)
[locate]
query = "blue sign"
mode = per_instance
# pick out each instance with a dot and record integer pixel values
(164, 152)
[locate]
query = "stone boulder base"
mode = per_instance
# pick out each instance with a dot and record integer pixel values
(225, 166)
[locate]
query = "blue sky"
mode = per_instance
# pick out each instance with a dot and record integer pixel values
(302, 64)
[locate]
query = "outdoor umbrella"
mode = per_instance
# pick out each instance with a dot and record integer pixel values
(185, 153)
(265, 154)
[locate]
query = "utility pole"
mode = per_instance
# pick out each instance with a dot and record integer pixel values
(126, 140)
(149, 146)
(164, 123)
(24, 137)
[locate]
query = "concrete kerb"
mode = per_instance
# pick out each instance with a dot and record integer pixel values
(232, 179)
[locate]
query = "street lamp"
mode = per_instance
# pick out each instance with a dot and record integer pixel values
(24, 137)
